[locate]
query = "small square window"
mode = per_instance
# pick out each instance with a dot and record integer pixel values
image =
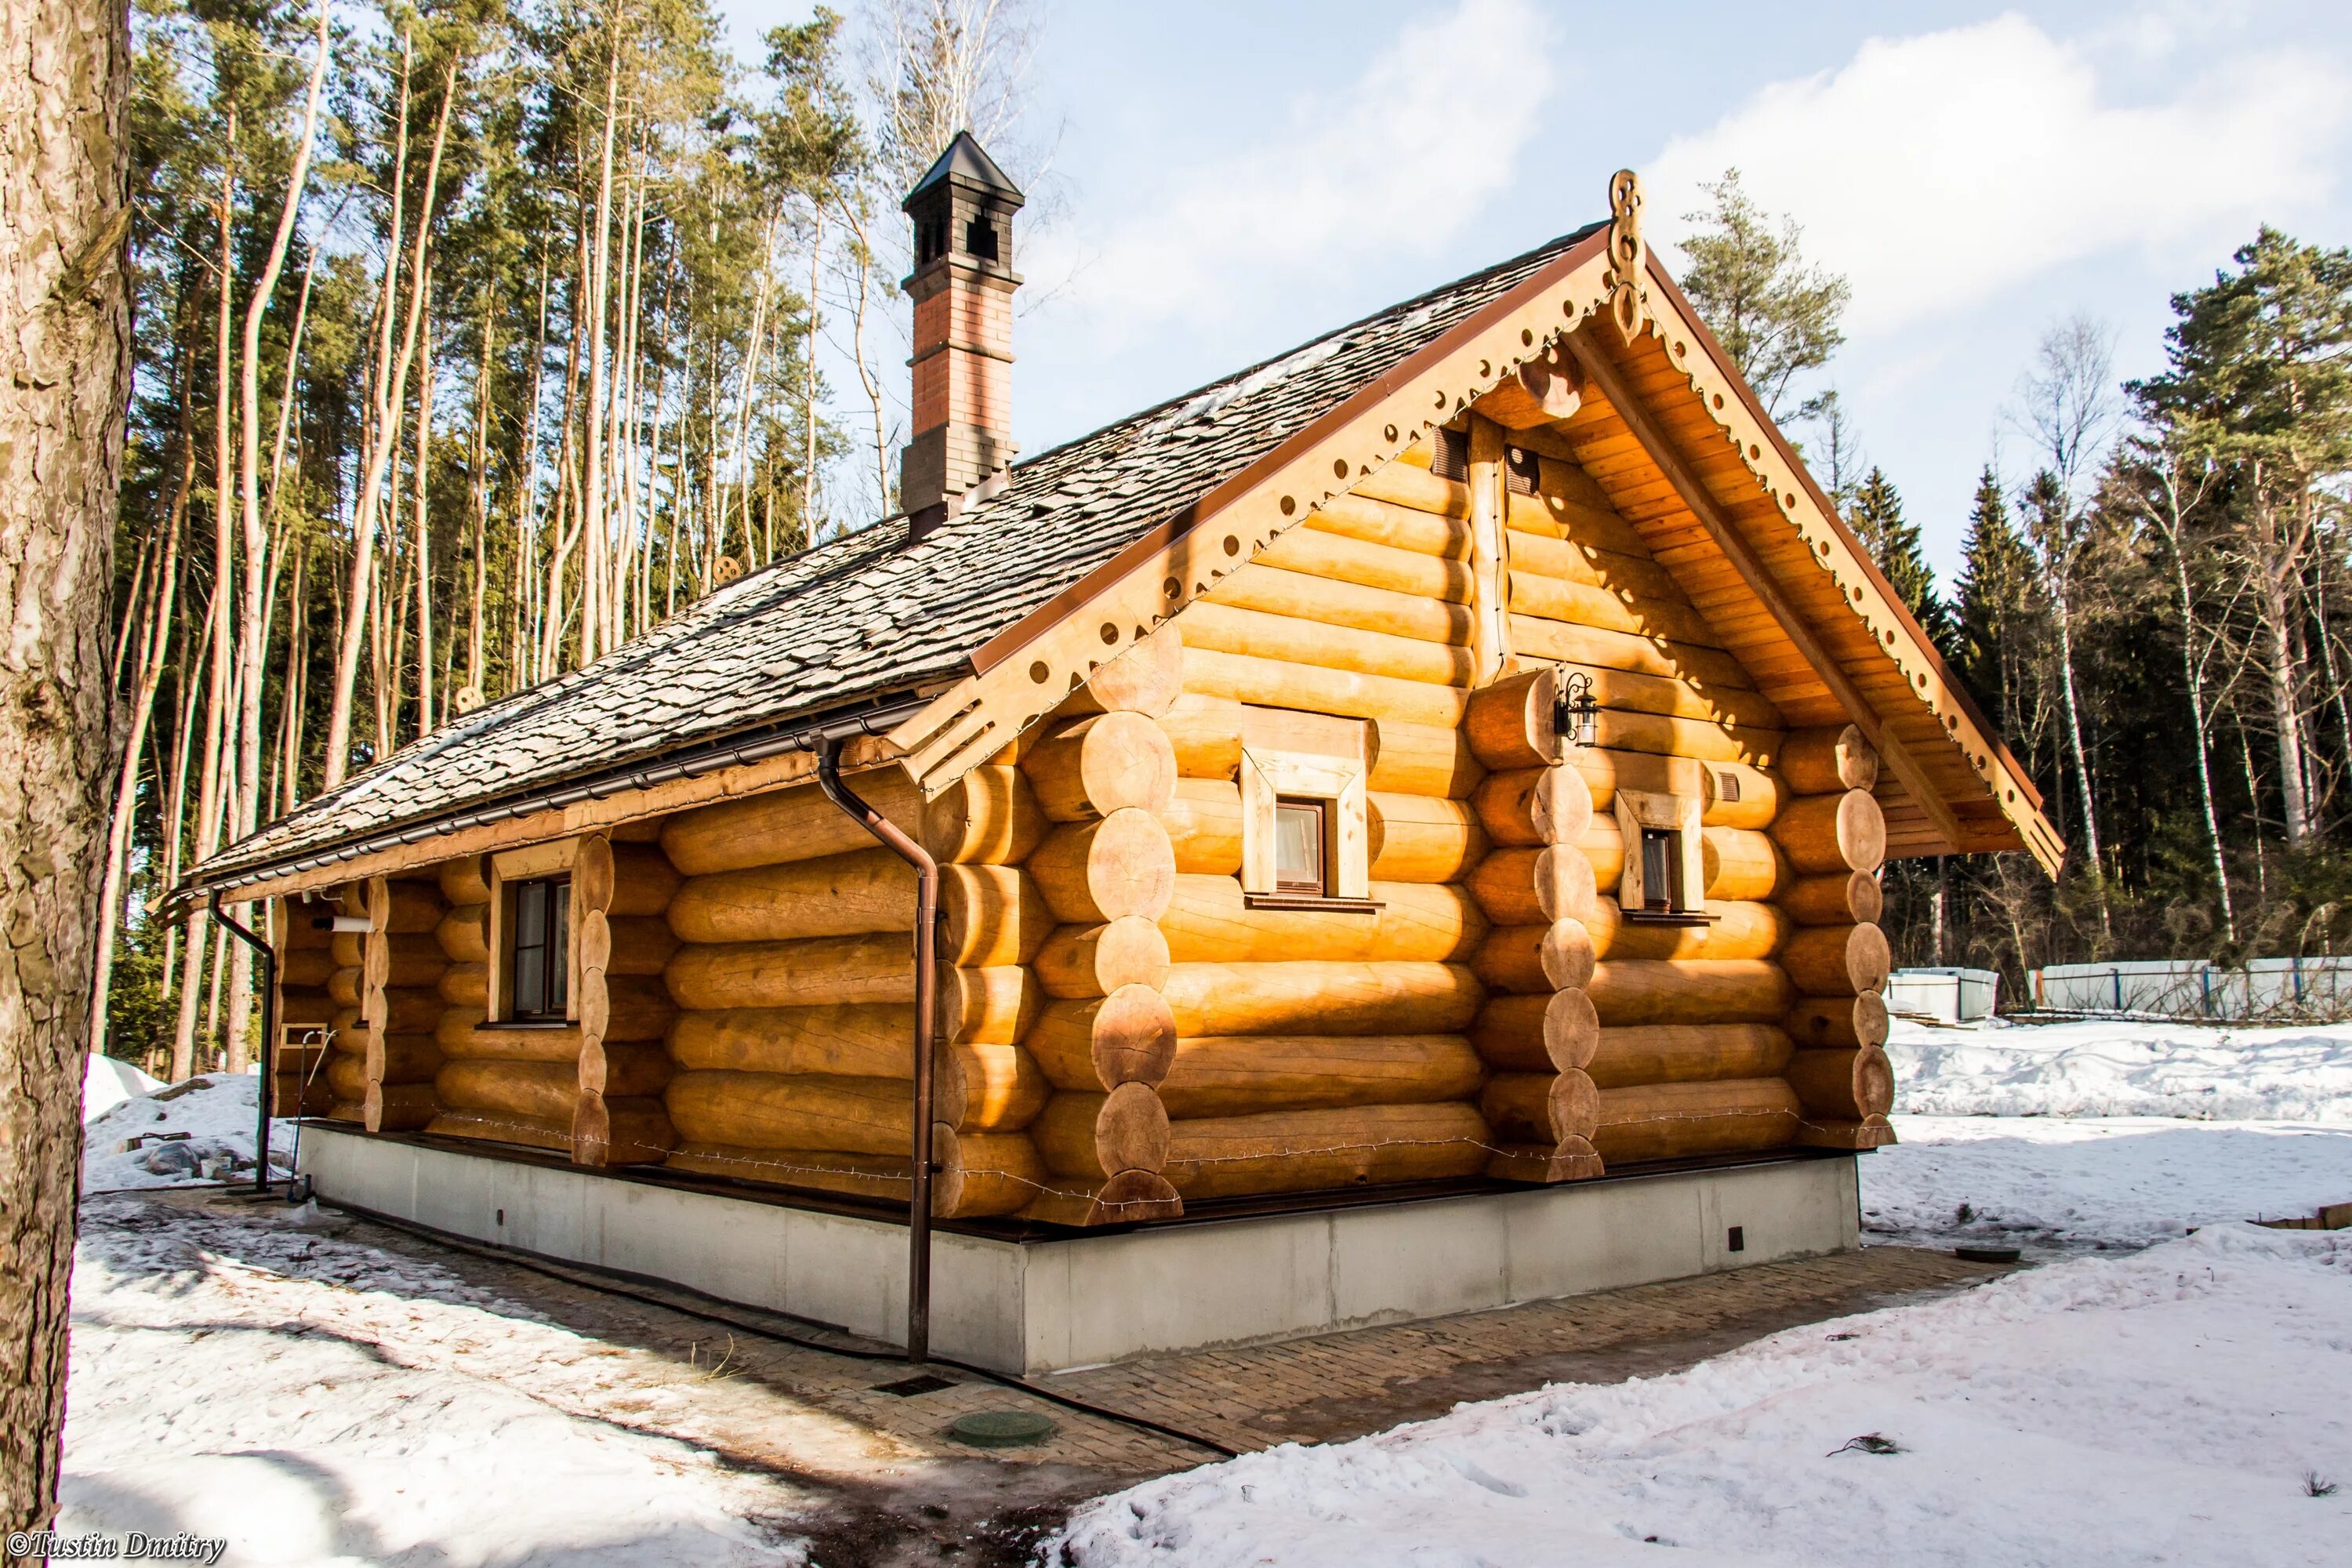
(1299, 847)
(539, 956)
(1662, 870)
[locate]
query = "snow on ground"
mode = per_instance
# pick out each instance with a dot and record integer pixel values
(249, 1375)
(2124, 1068)
(214, 1118)
(2056, 1182)
(108, 1081)
(2161, 1406)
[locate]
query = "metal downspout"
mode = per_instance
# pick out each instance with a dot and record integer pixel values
(927, 906)
(267, 1081)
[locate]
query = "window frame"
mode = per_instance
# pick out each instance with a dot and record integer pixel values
(507, 869)
(1319, 885)
(1300, 758)
(555, 1000)
(1645, 818)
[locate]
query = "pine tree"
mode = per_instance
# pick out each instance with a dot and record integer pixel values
(1994, 594)
(1774, 315)
(1876, 518)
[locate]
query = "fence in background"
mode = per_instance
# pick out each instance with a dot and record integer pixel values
(2192, 988)
(1950, 996)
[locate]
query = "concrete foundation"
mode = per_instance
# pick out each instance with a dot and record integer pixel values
(1082, 1299)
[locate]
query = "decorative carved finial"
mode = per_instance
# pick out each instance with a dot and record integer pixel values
(1626, 252)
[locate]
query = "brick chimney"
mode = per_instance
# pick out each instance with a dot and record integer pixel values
(962, 287)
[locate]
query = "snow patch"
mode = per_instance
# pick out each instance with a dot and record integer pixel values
(2121, 1068)
(108, 1081)
(2159, 1406)
(187, 1135)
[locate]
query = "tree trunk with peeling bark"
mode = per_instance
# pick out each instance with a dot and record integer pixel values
(65, 363)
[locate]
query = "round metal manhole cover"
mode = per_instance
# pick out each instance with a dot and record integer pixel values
(1001, 1428)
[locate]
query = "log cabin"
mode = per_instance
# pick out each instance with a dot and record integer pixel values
(1454, 757)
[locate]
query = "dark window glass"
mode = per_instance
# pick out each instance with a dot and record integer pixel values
(537, 978)
(1299, 847)
(1661, 869)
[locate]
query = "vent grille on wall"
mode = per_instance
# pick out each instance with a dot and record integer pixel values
(1450, 459)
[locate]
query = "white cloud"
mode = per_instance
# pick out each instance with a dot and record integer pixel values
(1938, 170)
(1395, 163)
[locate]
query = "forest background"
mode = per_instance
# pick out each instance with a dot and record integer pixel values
(473, 341)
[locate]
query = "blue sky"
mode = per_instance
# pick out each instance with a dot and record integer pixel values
(1227, 180)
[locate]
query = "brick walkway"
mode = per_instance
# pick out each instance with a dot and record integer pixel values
(1344, 1385)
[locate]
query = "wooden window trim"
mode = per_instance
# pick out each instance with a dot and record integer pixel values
(1289, 756)
(1639, 812)
(558, 952)
(529, 862)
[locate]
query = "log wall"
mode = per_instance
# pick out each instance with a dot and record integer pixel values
(306, 1011)
(402, 968)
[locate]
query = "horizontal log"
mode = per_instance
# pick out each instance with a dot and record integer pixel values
(1339, 557)
(1675, 697)
(1204, 818)
(1849, 1084)
(1096, 1044)
(1873, 1133)
(1206, 735)
(1426, 526)
(1107, 762)
(1532, 959)
(1549, 1107)
(1091, 872)
(1741, 864)
(991, 916)
(1536, 1032)
(1741, 929)
(1535, 639)
(410, 959)
(464, 1037)
(1689, 1053)
(1321, 998)
(1242, 1075)
(988, 816)
(987, 1088)
(539, 1090)
(1733, 795)
(797, 1112)
(1423, 839)
(416, 908)
(875, 968)
(621, 1131)
(1830, 833)
(863, 890)
(301, 1005)
(1536, 595)
(399, 1107)
(641, 878)
(1308, 1150)
(1535, 886)
(1529, 807)
(502, 1127)
(1627, 569)
(465, 881)
(1269, 589)
(464, 933)
(1421, 759)
(346, 1075)
(1207, 922)
(1510, 726)
(1821, 1022)
(641, 944)
(985, 1173)
(1411, 486)
(347, 1110)
(310, 967)
(882, 1177)
(465, 986)
(408, 1011)
(1834, 899)
(404, 1059)
(1320, 689)
(631, 1069)
(1828, 760)
(629, 1007)
(1095, 961)
(1693, 991)
(987, 1007)
(1094, 1136)
(1211, 628)
(1831, 960)
(859, 1039)
(1678, 1120)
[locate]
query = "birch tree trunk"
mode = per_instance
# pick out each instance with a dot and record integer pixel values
(65, 360)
